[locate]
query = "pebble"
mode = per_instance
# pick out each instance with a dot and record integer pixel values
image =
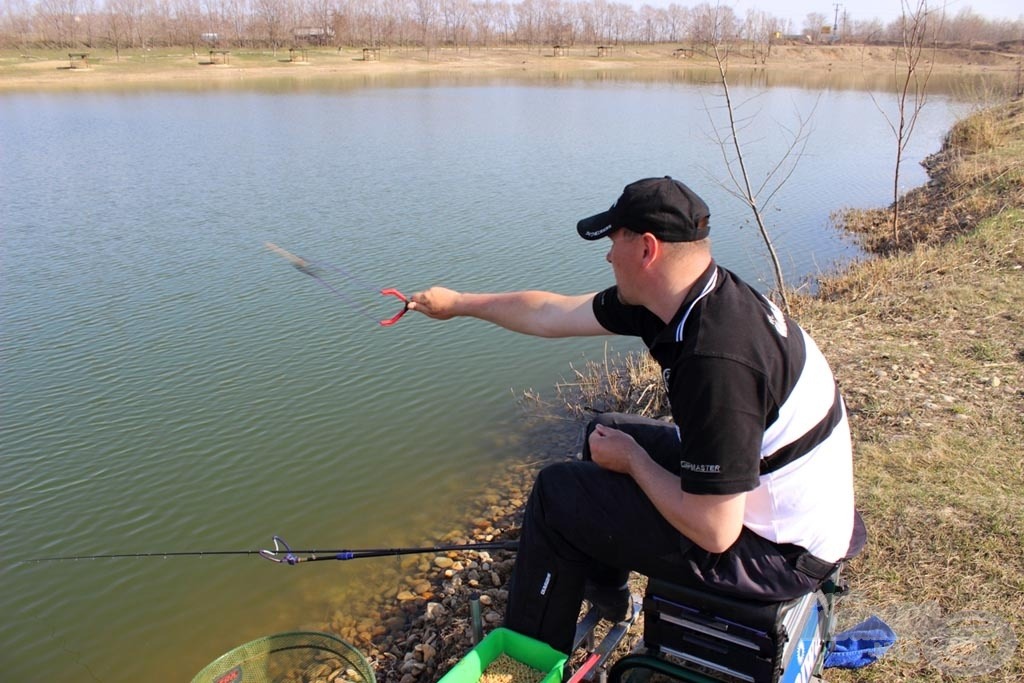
(425, 652)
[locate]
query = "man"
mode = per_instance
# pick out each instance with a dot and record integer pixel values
(748, 492)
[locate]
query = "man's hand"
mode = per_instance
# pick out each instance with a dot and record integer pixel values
(614, 450)
(711, 521)
(436, 302)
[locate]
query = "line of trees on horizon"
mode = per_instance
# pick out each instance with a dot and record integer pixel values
(144, 24)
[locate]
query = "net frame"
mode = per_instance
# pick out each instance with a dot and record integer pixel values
(278, 657)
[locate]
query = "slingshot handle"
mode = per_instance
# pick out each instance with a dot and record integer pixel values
(398, 295)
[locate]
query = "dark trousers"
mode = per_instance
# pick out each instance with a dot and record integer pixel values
(585, 523)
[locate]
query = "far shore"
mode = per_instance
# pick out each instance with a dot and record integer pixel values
(816, 65)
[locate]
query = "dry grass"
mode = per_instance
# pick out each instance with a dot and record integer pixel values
(622, 383)
(927, 343)
(927, 346)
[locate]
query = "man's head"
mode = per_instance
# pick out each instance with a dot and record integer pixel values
(664, 207)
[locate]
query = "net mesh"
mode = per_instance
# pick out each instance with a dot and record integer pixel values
(290, 658)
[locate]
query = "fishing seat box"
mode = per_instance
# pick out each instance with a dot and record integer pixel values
(738, 641)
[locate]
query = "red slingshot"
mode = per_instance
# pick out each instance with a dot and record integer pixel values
(398, 295)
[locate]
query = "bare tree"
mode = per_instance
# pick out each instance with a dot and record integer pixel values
(116, 28)
(812, 26)
(678, 20)
(742, 187)
(426, 14)
(58, 21)
(527, 17)
(481, 21)
(713, 25)
(237, 18)
(911, 87)
(966, 27)
(455, 15)
(124, 24)
(317, 14)
(865, 31)
(760, 29)
(428, 22)
(273, 22)
(16, 22)
(555, 22)
(191, 21)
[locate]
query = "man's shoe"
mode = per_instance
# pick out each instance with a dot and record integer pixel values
(613, 604)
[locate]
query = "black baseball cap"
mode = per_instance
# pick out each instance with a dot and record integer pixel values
(664, 207)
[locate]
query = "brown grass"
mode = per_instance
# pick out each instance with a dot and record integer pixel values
(927, 346)
(622, 383)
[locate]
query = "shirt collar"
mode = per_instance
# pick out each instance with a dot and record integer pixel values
(704, 285)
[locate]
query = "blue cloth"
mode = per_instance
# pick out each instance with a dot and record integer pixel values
(860, 645)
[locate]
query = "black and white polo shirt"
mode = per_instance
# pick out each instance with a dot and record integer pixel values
(757, 409)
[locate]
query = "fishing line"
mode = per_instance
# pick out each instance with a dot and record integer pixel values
(283, 554)
(310, 267)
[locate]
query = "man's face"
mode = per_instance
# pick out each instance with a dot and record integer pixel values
(625, 256)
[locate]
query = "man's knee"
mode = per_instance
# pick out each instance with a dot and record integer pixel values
(609, 420)
(659, 438)
(604, 419)
(561, 490)
(555, 481)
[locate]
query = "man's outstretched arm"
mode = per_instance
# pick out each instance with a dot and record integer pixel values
(542, 314)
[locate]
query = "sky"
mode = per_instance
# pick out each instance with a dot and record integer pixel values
(886, 10)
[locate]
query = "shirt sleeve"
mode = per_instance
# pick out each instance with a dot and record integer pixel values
(719, 406)
(624, 319)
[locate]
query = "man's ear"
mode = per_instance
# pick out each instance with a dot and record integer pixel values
(652, 249)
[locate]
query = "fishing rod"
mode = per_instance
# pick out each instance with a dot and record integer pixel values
(310, 268)
(283, 554)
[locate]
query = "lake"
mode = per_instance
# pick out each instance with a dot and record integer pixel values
(170, 385)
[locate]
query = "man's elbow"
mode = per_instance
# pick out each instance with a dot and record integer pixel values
(717, 542)
(716, 521)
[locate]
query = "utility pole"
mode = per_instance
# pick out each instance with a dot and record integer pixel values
(835, 22)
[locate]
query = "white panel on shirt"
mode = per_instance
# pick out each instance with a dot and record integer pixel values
(811, 499)
(808, 403)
